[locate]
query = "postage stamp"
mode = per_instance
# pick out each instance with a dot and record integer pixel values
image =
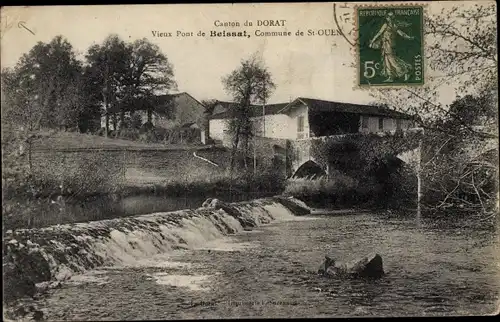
(390, 45)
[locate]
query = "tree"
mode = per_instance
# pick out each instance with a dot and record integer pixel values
(43, 88)
(458, 170)
(107, 66)
(127, 76)
(251, 83)
(42, 91)
(460, 52)
(150, 73)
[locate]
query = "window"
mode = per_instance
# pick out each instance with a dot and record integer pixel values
(398, 124)
(364, 122)
(300, 124)
(381, 123)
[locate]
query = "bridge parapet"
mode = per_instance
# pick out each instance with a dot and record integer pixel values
(322, 150)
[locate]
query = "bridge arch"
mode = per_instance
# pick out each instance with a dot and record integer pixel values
(309, 170)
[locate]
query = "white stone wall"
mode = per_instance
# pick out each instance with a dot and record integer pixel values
(293, 124)
(217, 128)
(278, 126)
(281, 126)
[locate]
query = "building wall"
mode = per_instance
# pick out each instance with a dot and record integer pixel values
(276, 126)
(188, 110)
(389, 124)
(294, 114)
(281, 126)
(217, 128)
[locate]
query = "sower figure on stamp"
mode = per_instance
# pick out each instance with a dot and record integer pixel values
(393, 66)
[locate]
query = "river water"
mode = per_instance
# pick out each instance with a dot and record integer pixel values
(270, 272)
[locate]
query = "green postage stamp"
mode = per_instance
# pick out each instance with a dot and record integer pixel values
(390, 45)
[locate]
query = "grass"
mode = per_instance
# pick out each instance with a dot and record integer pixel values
(73, 141)
(68, 166)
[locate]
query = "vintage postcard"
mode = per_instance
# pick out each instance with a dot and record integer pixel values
(257, 160)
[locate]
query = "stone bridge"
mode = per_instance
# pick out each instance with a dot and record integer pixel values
(315, 156)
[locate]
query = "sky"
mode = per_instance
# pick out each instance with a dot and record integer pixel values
(309, 66)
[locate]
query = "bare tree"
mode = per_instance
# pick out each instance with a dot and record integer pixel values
(461, 52)
(457, 166)
(251, 83)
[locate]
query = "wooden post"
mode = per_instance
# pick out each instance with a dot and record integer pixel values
(419, 180)
(254, 157)
(30, 162)
(124, 167)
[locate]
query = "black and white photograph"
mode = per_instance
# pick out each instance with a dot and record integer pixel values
(250, 160)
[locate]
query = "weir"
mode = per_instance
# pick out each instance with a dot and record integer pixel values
(55, 253)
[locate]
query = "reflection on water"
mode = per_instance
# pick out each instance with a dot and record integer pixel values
(108, 206)
(431, 270)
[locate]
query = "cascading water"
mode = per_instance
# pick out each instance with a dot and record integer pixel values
(56, 252)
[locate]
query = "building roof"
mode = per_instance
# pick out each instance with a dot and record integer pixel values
(314, 105)
(256, 110)
(317, 105)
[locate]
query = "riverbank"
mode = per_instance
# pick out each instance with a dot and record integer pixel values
(48, 187)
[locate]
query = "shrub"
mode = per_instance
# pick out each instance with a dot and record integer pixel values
(129, 134)
(54, 174)
(338, 190)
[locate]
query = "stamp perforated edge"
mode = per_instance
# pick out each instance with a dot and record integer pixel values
(378, 5)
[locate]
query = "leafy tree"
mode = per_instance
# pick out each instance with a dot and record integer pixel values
(149, 73)
(136, 121)
(107, 66)
(43, 89)
(127, 76)
(251, 83)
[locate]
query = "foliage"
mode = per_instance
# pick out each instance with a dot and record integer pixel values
(460, 173)
(248, 84)
(339, 190)
(362, 153)
(44, 88)
(136, 121)
(461, 44)
(459, 166)
(32, 180)
(127, 76)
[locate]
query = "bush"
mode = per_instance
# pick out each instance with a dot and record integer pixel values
(129, 134)
(182, 135)
(338, 190)
(136, 121)
(100, 132)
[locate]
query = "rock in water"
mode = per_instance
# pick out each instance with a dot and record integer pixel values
(218, 204)
(297, 207)
(207, 203)
(369, 267)
(325, 265)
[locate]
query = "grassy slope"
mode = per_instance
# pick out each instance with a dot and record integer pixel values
(75, 141)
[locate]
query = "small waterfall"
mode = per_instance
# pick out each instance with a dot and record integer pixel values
(57, 252)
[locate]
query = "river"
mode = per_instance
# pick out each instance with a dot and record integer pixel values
(270, 272)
